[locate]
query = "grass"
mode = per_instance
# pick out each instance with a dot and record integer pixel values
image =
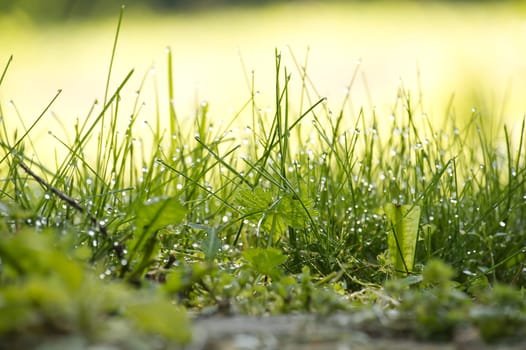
(290, 214)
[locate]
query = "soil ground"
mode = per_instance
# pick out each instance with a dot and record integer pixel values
(308, 332)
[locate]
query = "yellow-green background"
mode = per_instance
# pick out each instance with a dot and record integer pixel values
(475, 51)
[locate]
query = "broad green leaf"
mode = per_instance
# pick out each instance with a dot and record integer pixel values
(151, 217)
(159, 213)
(265, 261)
(274, 214)
(402, 236)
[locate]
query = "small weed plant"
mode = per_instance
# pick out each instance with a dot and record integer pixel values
(305, 209)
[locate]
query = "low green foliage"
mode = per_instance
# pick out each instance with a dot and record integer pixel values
(46, 290)
(439, 307)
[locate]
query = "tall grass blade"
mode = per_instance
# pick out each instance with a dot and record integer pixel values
(17, 143)
(5, 69)
(113, 52)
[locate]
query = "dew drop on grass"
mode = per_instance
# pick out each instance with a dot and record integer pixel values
(502, 224)
(47, 196)
(469, 273)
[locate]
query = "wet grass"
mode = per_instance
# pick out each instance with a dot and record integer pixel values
(285, 213)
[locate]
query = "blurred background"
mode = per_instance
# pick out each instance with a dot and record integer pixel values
(63, 9)
(452, 55)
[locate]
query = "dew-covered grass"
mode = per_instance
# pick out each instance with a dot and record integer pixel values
(283, 210)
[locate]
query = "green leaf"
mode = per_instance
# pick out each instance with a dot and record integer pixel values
(151, 217)
(402, 236)
(159, 213)
(265, 261)
(183, 277)
(274, 214)
(211, 244)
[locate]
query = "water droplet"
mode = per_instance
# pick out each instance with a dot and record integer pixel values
(502, 224)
